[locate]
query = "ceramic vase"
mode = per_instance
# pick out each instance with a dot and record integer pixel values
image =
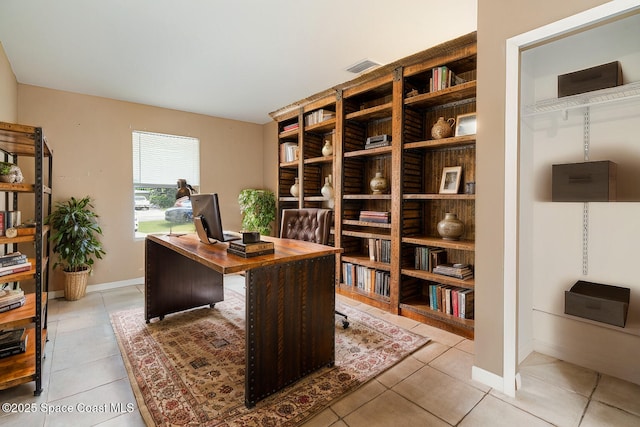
(378, 184)
(443, 128)
(327, 189)
(450, 228)
(327, 149)
(295, 188)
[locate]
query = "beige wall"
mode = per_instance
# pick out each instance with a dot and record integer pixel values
(493, 31)
(91, 141)
(8, 90)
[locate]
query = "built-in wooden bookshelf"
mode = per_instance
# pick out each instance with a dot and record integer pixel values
(395, 100)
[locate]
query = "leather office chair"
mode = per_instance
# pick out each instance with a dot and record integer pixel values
(312, 225)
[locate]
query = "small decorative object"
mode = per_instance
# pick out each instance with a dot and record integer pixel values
(450, 228)
(443, 128)
(470, 188)
(327, 149)
(327, 188)
(378, 184)
(412, 93)
(295, 188)
(466, 124)
(450, 180)
(10, 173)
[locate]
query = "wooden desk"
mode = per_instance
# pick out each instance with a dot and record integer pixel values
(290, 301)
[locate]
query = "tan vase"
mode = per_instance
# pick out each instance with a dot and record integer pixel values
(378, 184)
(75, 284)
(327, 149)
(451, 228)
(295, 188)
(443, 128)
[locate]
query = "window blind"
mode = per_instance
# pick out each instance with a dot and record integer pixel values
(159, 160)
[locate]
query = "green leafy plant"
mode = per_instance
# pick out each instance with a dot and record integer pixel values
(258, 209)
(5, 168)
(75, 235)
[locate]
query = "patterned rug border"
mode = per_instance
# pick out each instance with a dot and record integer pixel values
(354, 314)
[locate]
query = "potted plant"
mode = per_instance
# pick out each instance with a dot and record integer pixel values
(258, 209)
(75, 241)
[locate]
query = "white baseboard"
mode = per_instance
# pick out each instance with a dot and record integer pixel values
(487, 378)
(102, 286)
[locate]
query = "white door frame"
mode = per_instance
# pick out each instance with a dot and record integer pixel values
(514, 46)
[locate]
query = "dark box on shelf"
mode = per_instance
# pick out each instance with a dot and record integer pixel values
(584, 182)
(594, 78)
(602, 303)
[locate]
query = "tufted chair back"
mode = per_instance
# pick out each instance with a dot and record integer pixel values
(308, 224)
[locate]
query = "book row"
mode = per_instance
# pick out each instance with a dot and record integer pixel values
(442, 78)
(366, 279)
(318, 116)
(380, 250)
(9, 219)
(458, 302)
(426, 257)
(288, 152)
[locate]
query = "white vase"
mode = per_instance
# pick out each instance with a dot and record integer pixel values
(327, 189)
(327, 149)
(295, 188)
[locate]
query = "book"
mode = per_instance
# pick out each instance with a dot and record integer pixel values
(17, 268)
(10, 295)
(12, 305)
(260, 246)
(250, 254)
(13, 341)
(12, 259)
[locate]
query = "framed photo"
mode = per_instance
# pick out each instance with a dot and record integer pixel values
(450, 180)
(466, 124)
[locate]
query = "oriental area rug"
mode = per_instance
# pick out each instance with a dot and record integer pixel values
(188, 369)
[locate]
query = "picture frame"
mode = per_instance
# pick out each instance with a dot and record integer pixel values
(465, 124)
(450, 181)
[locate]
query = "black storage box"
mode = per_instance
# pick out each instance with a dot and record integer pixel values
(584, 182)
(603, 303)
(595, 78)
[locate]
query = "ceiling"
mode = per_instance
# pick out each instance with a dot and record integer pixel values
(236, 59)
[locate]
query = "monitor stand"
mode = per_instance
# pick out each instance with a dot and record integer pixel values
(202, 231)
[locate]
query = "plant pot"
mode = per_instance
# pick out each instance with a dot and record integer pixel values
(75, 284)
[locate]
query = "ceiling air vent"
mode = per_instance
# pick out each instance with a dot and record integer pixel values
(362, 66)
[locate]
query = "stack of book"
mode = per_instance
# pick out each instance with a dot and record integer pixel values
(14, 262)
(248, 250)
(375, 216)
(292, 126)
(459, 271)
(11, 298)
(377, 141)
(13, 341)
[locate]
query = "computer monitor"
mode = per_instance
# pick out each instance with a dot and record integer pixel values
(207, 219)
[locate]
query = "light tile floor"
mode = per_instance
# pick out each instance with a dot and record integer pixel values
(84, 373)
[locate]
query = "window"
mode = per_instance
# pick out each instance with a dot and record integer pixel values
(159, 160)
